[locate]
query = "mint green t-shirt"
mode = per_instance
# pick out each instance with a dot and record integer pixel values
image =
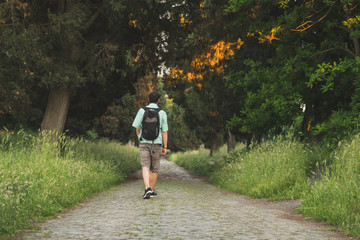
(163, 123)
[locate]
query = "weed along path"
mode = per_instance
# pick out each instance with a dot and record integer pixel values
(186, 208)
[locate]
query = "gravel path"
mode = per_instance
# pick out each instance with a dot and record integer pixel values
(186, 208)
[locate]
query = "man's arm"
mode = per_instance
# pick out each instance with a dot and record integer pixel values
(165, 140)
(137, 132)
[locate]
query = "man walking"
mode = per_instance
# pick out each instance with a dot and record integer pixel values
(151, 129)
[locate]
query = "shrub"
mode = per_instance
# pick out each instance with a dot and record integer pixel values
(339, 126)
(117, 118)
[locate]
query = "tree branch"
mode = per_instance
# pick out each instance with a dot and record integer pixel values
(331, 49)
(308, 24)
(6, 25)
(93, 18)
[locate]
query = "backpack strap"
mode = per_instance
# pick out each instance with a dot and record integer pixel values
(155, 109)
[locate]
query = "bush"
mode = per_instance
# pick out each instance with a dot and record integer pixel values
(37, 182)
(336, 198)
(117, 120)
(339, 126)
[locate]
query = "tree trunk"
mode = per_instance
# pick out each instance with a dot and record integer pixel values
(59, 98)
(356, 47)
(355, 40)
(230, 142)
(215, 143)
(56, 110)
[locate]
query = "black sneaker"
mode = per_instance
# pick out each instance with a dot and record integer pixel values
(147, 193)
(153, 194)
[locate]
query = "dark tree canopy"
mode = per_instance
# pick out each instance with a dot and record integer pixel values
(251, 67)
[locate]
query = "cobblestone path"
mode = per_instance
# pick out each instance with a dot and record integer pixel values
(186, 208)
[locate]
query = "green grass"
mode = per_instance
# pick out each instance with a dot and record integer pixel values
(283, 169)
(336, 199)
(36, 181)
(197, 161)
(276, 170)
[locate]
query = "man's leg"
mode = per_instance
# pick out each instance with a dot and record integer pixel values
(153, 178)
(146, 177)
(145, 163)
(155, 166)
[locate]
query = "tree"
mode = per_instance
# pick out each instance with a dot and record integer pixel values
(117, 116)
(79, 52)
(181, 137)
(195, 81)
(61, 52)
(300, 43)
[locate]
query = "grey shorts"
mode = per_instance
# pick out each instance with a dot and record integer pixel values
(148, 160)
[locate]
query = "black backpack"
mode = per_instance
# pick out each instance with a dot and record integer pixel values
(150, 123)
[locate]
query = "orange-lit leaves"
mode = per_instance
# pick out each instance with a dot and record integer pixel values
(132, 21)
(21, 7)
(267, 37)
(210, 61)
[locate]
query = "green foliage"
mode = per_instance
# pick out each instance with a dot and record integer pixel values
(82, 45)
(336, 198)
(198, 161)
(69, 25)
(197, 116)
(237, 4)
(117, 120)
(91, 135)
(303, 65)
(275, 170)
(36, 183)
(206, 111)
(340, 126)
(327, 183)
(122, 159)
(264, 108)
(336, 76)
(180, 135)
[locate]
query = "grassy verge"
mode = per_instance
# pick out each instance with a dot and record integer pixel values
(198, 161)
(336, 199)
(283, 169)
(276, 170)
(36, 182)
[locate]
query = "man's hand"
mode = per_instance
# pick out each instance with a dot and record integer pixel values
(163, 152)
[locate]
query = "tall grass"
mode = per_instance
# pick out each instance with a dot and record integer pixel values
(275, 170)
(198, 161)
(36, 181)
(328, 184)
(336, 199)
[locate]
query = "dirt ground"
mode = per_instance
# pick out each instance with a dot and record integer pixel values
(187, 207)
